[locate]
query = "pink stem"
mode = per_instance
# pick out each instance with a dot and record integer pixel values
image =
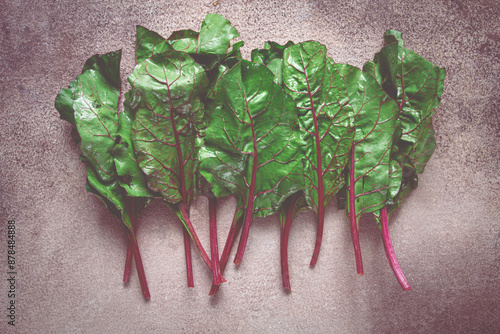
(128, 262)
(139, 266)
(251, 196)
(319, 173)
(319, 233)
(285, 231)
(194, 236)
(353, 218)
(244, 234)
(389, 252)
(321, 194)
(227, 249)
(214, 248)
(189, 262)
(130, 250)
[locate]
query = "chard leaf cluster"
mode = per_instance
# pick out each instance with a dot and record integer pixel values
(283, 133)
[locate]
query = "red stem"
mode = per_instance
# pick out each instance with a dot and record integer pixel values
(227, 249)
(139, 266)
(285, 232)
(130, 250)
(189, 262)
(194, 236)
(133, 250)
(389, 252)
(184, 203)
(321, 198)
(246, 231)
(251, 198)
(214, 247)
(128, 262)
(352, 217)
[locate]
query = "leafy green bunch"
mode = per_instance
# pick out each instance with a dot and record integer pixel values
(283, 133)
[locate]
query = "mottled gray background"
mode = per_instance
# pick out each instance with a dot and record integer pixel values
(71, 251)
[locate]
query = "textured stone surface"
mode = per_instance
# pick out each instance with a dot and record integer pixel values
(71, 251)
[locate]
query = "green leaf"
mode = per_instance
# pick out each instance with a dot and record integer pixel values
(423, 146)
(416, 85)
(95, 104)
(368, 175)
(166, 94)
(325, 118)
(130, 175)
(112, 195)
(271, 51)
(148, 43)
(209, 46)
(252, 146)
(412, 81)
(272, 57)
(213, 38)
(413, 159)
(375, 122)
(91, 103)
(64, 103)
(325, 121)
(225, 65)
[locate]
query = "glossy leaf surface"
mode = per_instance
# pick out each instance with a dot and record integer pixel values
(105, 133)
(91, 103)
(213, 38)
(95, 105)
(412, 81)
(148, 43)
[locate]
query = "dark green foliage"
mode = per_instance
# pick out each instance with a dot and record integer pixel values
(283, 133)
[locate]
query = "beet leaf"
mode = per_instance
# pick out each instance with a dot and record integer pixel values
(208, 46)
(283, 133)
(416, 85)
(375, 121)
(130, 175)
(91, 104)
(326, 125)
(272, 57)
(325, 121)
(167, 91)
(149, 43)
(251, 144)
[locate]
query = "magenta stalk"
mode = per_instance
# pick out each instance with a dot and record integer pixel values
(189, 262)
(214, 248)
(389, 252)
